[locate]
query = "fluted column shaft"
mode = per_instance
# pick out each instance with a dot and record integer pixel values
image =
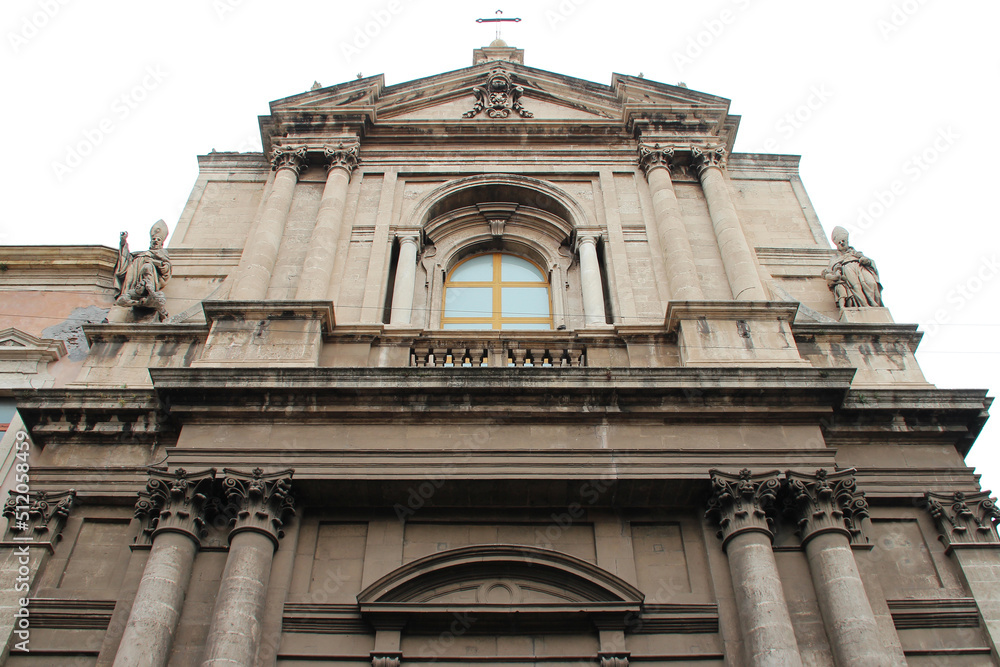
(682, 273)
(314, 283)
(820, 501)
(740, 504)
(156, 610)
(235, 633)
(406, 273)
(590, 279)
(171, 509)
(261, 251)
(737, 257)
(260, 504)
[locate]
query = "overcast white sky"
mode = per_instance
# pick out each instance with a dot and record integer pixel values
(890, 103)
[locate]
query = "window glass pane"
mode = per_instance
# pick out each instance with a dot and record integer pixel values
(526, 325)
(477, 326)
(468, 302)
(525, 301)
(477, 268)
(516, 269)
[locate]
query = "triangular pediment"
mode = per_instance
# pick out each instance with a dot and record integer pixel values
(21, 344)
(545, 97)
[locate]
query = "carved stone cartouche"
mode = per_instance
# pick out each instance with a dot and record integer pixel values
(499, 96)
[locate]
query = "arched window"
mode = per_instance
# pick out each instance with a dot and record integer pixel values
(497, 291)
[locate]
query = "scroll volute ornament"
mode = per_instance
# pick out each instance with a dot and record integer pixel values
(44, 516)
(343, 156)
(706, 157)
(826, 502)
(652, 156)
(743, 502)
(498, 96)
(174, 502)
(258, 501)
(288, 157)
(965, 518)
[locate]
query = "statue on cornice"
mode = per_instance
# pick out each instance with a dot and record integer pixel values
(140, 276)
(852, 277)
(499, 96)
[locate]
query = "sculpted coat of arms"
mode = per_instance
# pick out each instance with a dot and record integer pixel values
(499, 96)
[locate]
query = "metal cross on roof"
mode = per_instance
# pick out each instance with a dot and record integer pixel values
(499, 19)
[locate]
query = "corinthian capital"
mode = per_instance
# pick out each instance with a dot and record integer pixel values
(38, 515)
(706, 157)
(259, 502)
(652, 156)
(826, 502)
(742, 502)
(342, 156)
(288, 157)
(174, 502)
(965, 518)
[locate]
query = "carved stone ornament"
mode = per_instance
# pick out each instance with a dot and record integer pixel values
(743, 502)
(342, 157)
(851, 276)
(258, 502)
(37, 515)
(386, 659)
(140, 276)
(288, 157)
(826, 502)
(653, 156)
(499, 96)
(706, 157)
(965, 518)
(174, 502)
(614, 659)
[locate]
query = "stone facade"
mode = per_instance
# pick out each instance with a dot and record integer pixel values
(694, 445)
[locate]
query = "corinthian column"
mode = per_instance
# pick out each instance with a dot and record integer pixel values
(682, 274)
(172, 512)
(740, 504)
(260, 504)
(590, 278)
(737, 257)
(261, 250)
(406, 273)
(819, 502)
(314, 282)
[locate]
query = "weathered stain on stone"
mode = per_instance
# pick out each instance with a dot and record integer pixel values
(70, 330)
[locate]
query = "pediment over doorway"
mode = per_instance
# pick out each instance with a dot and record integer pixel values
(493, 582)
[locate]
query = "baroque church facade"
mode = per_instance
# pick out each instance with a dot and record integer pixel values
(494, 367)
